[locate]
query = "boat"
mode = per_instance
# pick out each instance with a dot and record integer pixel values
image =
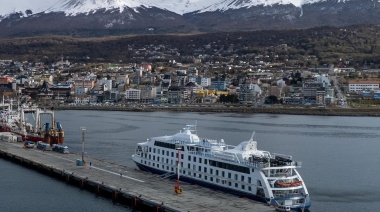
(241, 170)
(14, 121)
(29, 144)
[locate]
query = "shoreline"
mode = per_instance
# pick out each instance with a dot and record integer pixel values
(247, 110)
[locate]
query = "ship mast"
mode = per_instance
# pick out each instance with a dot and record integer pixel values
(178, 147)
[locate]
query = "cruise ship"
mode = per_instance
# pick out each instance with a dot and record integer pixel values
(241, 170)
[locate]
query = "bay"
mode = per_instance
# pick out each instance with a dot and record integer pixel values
(339, 154)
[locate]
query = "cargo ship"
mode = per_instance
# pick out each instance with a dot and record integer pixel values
(14, 121)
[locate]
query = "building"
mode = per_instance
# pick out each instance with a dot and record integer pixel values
(362, 85)
(132, 95)
(148, 94)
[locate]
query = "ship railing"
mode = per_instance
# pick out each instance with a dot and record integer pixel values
(231, 158)
(282, 175)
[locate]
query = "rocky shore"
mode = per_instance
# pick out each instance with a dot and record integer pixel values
(291, 111)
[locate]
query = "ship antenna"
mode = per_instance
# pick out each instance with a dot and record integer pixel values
(253, 134)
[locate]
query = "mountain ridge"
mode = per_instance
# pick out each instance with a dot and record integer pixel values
(151, 18)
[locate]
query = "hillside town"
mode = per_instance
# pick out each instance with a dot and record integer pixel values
(66, 83)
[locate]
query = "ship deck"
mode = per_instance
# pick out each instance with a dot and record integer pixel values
(127, 185)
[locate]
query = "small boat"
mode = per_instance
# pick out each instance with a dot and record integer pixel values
(29, 144)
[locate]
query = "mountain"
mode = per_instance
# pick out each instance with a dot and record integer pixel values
(114, 17)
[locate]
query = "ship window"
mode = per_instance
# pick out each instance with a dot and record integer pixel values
(163, 152)
(205, 177)
(199, 168)
(150, 149)
(205, 170)
(236, 185)
(167, 153)
(222, 173)
(259, 183)
(249, 188)
(189, 158)
(188, 165)
(210, 171)
(163, 167)
(200, 160)
(217, 172)
(217, 180)
(184, 172)
(189, 173)
(242, 178)
(158, 151)
(182, 156)
(229, 175)
(181, 164)
(205, 161)
(195, 174)
(242, 187)
(167, 160)
(236, 176)
(249, 179)
(253, 170)
(167, 167)
(194, 167)
(200, 176)
(172, 154)
(211, 179)
(154, 164)
(154, 157)
(172, 169)
(158, 159)
(144, 155)
(195, 159)
(158, 165)
(149, 157)
(229, 184)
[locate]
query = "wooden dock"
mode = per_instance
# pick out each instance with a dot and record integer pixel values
(127, 185)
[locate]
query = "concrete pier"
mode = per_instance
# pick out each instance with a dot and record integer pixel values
(127, 185)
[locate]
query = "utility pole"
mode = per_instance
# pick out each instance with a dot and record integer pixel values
(83, 130)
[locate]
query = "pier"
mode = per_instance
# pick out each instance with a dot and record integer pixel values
(126, 185)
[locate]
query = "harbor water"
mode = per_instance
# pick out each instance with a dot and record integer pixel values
(339, 155)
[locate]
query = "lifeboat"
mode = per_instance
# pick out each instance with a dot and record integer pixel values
(296, 183)
(283, 184)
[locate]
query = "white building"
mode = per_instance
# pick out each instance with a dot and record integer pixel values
(362, 85)
(133, 94)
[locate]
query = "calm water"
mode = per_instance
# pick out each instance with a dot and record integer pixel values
(339, 154)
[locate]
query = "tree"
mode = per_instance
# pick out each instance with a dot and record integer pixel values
(271, 100)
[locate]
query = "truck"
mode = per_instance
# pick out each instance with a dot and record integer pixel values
(60, 148)
(43, 146)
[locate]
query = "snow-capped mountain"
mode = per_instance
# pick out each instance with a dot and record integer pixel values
(104, 17)
(74, 7)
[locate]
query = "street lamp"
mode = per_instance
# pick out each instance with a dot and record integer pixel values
(83, 130)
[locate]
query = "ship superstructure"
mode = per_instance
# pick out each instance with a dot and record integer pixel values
(242, 170)
(14, 121)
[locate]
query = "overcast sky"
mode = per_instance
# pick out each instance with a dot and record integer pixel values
(22, 5)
